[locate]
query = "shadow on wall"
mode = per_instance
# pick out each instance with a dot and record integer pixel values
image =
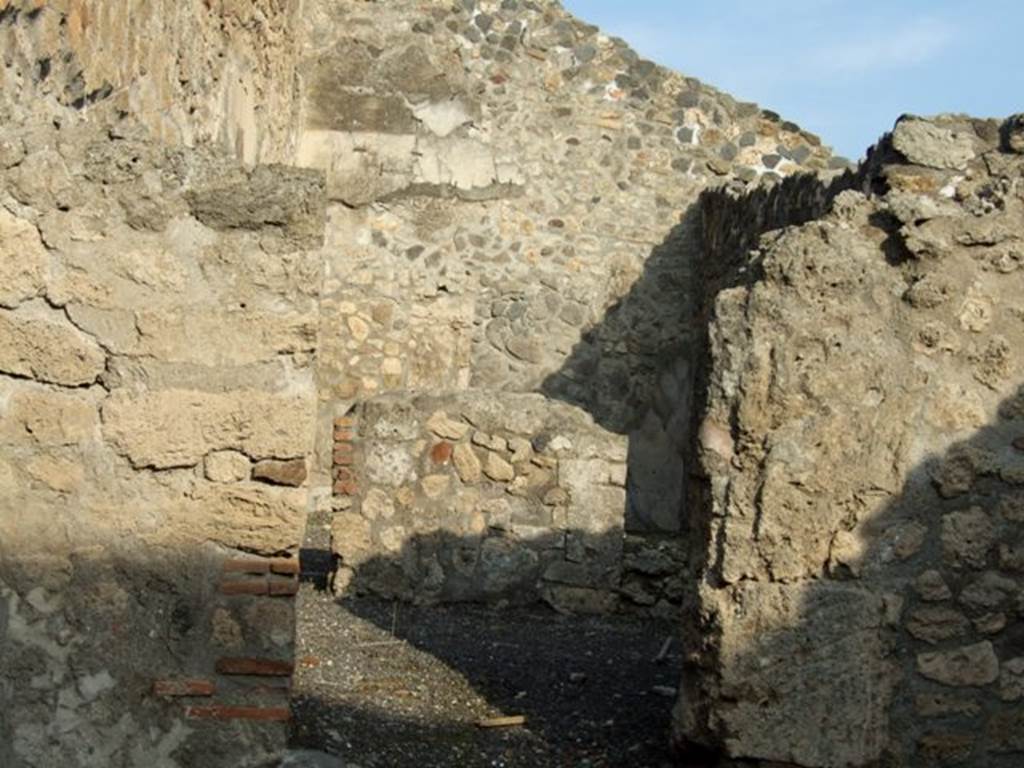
(909, 648)
(99, 648)
(636, 371)
(84, 640)
(860, 605)
(632, 373)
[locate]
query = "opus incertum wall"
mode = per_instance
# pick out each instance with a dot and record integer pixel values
(461, 497)
(463, 272)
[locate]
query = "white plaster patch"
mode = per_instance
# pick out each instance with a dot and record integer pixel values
(386, 466)
(442, 118)
(612, 92)
(949, 190)
(92, 687)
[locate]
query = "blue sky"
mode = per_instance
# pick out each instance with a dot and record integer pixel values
(844, 69)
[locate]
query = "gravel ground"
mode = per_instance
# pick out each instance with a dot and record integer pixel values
(388, 684)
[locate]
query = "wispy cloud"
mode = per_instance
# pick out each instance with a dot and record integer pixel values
(907, 45)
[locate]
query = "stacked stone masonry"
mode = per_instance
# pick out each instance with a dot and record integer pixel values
(447, 281)
(456, 260)
(158, 319)
(462, 497)
(190, 72)
(861, 451)
(239, 678)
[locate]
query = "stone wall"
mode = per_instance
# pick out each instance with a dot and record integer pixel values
(525, 180)
(192, 71)
(484, 334)
(158, 312)
(463, 497)
(859, 597)
(473, 202)
(513, 209)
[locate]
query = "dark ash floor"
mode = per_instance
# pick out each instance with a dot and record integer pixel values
(392, 685)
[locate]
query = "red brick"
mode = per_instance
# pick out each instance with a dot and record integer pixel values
(246, 565)
(256, 667)
(344, 421)
(309, 662)
(282, 588)
(247, 587)
(441, 452)
(342, 436)
(224, 712)
(343, 454)
(285, 565)
(345, 488)
(183, 688)
(344, 473)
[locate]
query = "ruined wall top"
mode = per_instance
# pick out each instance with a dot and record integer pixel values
(214, 71)
(862, 454)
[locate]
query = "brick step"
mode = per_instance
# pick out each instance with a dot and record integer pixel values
(181, 687)
(261, 586)
(285, 566)
(236, 689)
(261, 576)
(238, 712)
(254, 667)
